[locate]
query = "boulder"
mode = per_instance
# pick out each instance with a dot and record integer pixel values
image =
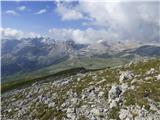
(96, 111)
(158, 77)
(115, 92)
(124, 114)
(78, 79)
(100, 94)
(9, 110)
(124, 87)
(133, 81)
(113, 104)
(70, 110)
(127, 75)
(71, 113)
(148, 78)
(151, 71)
(51, 105)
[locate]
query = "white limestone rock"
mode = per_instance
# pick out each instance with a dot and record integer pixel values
(158, 77)
(148, 78)
(124, 87)
(127, 75)
(113, 104)
(151, 71)
(124, 114)
(101, 93)
(96, 112)
(115, 92)
(51, 105)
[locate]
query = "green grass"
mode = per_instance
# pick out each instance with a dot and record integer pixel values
(88, 63)
(25, 81)
(114, 113)
(144, 89)
(20, 79)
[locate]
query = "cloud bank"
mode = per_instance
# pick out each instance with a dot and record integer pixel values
(87, 36)
(103, 21)
(137, 21)
(9, 33)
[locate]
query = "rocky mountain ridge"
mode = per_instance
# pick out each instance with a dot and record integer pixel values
(121, 93)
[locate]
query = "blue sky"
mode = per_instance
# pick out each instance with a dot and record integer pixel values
(27, 20)
(83, 21)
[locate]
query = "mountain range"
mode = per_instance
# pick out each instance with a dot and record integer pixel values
(30, 54)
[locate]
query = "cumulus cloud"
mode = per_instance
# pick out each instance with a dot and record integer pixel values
(9, 33)
(42, 11)
(87, 36)
(11, 12)
(138, 21)
(22, 8)
(108, 21)
(68, 13)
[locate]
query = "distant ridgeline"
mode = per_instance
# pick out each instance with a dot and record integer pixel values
(32, 54)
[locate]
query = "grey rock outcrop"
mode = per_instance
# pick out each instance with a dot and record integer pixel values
(127, 75)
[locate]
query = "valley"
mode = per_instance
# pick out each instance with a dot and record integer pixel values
(80, 59)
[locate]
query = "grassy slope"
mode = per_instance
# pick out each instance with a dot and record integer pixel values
(144, 88)
(111, 76)
(88, 63)
(25, 81)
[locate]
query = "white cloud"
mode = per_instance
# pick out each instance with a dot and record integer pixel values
(68, 14)
(109, 21)
(11, 12)
(22, 8)
(9, 33)
(128, 20)
(42, 11)
(87, 36)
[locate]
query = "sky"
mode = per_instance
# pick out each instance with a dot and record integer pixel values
(82, 21)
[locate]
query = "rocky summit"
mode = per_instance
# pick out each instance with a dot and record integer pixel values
(130, 92)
